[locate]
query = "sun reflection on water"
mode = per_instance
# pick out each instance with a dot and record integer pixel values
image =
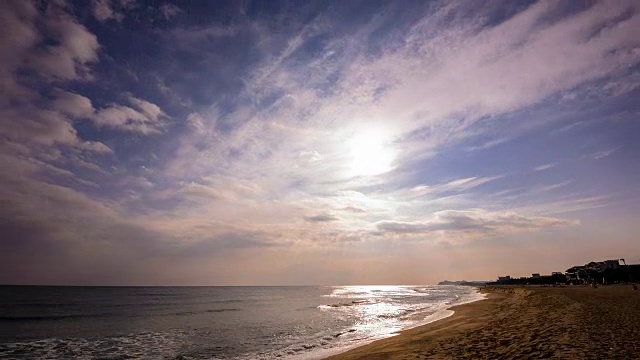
(382, 310)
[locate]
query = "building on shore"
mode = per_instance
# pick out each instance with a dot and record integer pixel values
(603, 272)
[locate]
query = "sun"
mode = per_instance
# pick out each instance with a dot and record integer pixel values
(370, 152)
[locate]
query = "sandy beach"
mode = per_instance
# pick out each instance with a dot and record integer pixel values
(573, 322)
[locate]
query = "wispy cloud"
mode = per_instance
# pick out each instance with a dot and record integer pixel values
(569, 204)
(605, 153)
(551, 187)
(489, 144)
(475, 221)
(458, 185)
(545, 166)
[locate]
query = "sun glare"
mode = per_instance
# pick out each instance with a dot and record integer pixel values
(370, 153)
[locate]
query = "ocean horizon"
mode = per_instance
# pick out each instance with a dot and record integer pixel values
(212, 322)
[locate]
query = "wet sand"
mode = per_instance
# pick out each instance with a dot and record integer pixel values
(573, 322)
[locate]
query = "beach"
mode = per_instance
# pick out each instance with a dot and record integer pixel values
(571, 322)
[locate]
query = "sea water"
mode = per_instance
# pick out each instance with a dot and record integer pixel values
(307, 322)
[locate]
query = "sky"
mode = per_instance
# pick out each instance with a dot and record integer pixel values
(330, 142)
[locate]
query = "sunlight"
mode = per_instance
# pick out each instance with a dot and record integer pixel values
(370, 152)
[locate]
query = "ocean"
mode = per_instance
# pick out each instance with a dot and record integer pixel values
(306, 322)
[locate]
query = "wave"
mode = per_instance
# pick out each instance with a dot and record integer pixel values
(205, 311)
(14, 318)
(353, 303)
(146, 345)
(50, 317)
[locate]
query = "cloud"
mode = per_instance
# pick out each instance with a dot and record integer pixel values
(458, 185)
(77, 48)
(144, 117)
(486, 71)
(491, 143)
(43, 128)
(151, 111)
(321, 218)
(203, 191)
(196, 122)
(551, 187)
(569, 204)
(475, 221)
(103, 10)
(45, 40)
(17, 19)
(545, 166)
(54, 126)
(169, 11)
(63, 232)
(353, 209)
(50, 42)
(605, 153)
(225, 241)
(72, 104)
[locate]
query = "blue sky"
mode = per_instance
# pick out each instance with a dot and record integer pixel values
(361, 142)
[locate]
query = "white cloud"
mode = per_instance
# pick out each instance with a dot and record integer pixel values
(491, 143)
(72, 104)
(568, 204)
(605, 153)
(76, 50)
(551, 187)
(48, 42)
(40, 127)
(146, 118)
(103, 10)
(51, 43)
(151, 110)
(169, 11)
(545, 166)
(458, 185)
(96, 146)
(196, 122)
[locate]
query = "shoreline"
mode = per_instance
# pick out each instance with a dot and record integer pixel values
(458, 313)
(519, 322)
(438, 316)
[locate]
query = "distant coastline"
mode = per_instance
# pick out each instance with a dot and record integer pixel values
(463, 282)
